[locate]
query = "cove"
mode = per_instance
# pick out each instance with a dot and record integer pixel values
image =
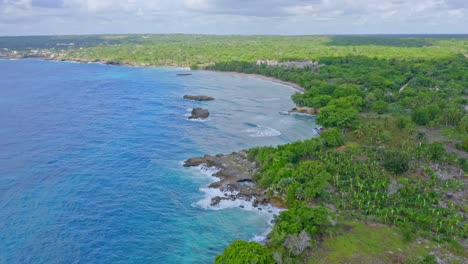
(90, 160)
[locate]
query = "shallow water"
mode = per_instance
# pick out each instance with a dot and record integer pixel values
(90, 160)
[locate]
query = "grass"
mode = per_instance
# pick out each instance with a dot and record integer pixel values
(453, 133)
(362, 243)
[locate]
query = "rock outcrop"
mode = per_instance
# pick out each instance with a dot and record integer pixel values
(198, 97)
(305, 110)
(235, 172)
(199, 113)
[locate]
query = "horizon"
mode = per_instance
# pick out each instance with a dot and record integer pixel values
(244, 35)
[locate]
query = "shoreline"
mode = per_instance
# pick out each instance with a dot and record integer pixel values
(290, 85)
(231, 186)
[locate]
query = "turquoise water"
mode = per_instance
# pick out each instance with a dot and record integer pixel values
(90, 160)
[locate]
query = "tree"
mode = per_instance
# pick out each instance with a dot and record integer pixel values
(420, 116)
(296, 244)
(243, 252)
(463, 124)
(334, 116)
(380, 107)
(332, 137)
(299, 217)
(344, 90)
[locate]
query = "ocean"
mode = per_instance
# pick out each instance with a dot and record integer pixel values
(91, 161)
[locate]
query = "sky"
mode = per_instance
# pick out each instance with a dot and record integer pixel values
(283, 17)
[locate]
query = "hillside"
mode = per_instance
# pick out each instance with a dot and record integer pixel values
(385, 182)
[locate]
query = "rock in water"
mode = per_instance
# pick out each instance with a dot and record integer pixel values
(198, 97)
(194, 162)
(305, 110)
(199, 113)
(233, 171)
(216, 200)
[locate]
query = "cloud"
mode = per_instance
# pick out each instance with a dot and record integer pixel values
(245, 7)
(47, 3)
(457, 3)
(232, 16)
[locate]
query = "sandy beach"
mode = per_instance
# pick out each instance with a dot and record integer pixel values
(292, 85)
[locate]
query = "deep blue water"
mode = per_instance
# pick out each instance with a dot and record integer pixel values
(90, 161)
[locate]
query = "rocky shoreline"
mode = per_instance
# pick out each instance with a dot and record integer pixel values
(234, 170)
(235, 173)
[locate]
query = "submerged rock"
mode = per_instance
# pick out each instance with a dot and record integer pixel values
(198, 97)
(199, 113)
(216, 200)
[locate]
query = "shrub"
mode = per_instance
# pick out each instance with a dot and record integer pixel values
(421, 116)
(396, 162)
(332, 137)
(404, 122)
(436, 151)
(240, 252)
(380, 107)
(298, 218)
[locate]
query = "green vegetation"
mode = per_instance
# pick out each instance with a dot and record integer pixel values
(200, 51)
(385, 182)
(360, 243)
(383, 159)
(240, 252)
(431, 92)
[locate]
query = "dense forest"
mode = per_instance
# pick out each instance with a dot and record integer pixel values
(201, 50)
(386, 180)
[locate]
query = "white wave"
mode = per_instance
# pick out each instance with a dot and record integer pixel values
(261, 131)
(209, 172)
(268, 211)
(199, 119)
(262, 239)
(301, 114)
(210, 193)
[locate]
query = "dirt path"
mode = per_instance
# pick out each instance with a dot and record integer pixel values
(434, 135)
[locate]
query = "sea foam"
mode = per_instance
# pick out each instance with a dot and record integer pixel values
(268, 211)
(262, 131)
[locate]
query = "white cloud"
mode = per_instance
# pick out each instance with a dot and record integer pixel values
(233, 16)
